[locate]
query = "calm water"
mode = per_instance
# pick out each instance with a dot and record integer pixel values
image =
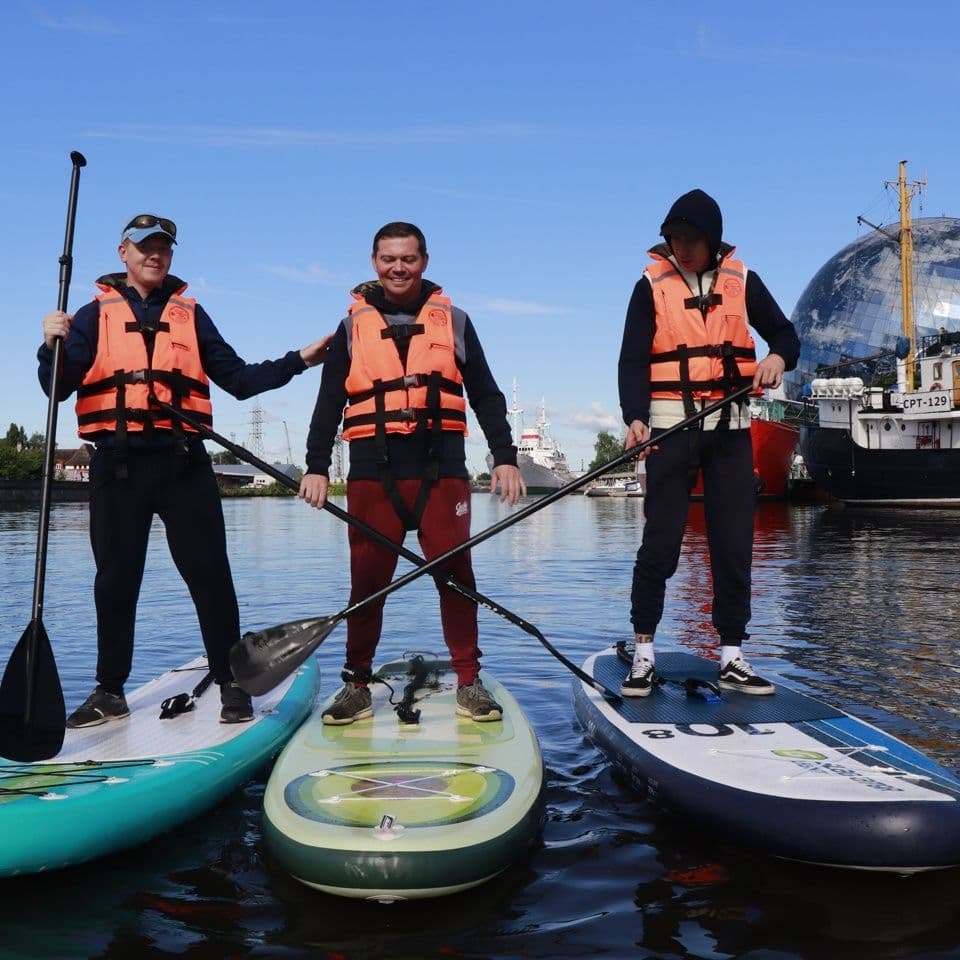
(860, 607)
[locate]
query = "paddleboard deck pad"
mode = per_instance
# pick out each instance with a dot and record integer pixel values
(127, 781)
(388, 810)
(787, 774)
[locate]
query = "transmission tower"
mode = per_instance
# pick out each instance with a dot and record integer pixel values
(256, 429)
(338, 458)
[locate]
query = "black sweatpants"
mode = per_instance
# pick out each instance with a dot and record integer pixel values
(180, 489)
(726, 459)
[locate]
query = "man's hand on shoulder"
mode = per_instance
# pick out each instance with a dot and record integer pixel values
(316, 352)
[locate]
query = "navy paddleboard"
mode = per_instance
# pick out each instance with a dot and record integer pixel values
(787, 774)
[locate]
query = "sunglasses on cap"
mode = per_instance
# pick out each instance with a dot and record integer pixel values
(149, 220)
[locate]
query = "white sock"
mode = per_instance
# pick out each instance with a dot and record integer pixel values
(643, 651)
(730, 653)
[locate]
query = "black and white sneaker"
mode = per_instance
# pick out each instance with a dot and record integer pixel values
(639, 680)
(235, 704)
(100, 707)
(739, 675)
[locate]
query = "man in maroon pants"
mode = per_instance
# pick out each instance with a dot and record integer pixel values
(403, 362)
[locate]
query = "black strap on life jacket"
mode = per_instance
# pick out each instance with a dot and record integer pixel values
(175, 379)
(704, 301)
(178, 383)
(135, 326)
(406, 382)
(401, 331)
(730, 380)
(433, 415)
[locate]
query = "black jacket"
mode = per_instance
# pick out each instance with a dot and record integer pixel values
(408, 453)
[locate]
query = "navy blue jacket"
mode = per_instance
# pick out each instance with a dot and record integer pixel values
(220, 361)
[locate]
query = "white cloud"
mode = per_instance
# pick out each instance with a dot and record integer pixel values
(516, 307)
(594, 419)
(314, 273)
(297, 137)
(87, 25)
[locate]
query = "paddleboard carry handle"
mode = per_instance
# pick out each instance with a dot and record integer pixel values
(184, 702)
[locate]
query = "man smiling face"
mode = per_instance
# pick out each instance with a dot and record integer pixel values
(147, 262)
(399, 264)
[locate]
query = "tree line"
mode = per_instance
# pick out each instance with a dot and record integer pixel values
(21, 456)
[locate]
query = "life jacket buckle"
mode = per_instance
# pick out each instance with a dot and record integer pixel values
(407, 415)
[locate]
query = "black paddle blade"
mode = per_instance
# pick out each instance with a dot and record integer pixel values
(265, 657)
(32, 718)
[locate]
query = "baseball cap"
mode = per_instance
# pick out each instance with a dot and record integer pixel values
(146, 225)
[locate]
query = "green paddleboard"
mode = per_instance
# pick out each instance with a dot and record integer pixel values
(387, 810)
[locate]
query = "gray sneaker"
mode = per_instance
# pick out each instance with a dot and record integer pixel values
(98, 708)
(351, 703)
(474, 701)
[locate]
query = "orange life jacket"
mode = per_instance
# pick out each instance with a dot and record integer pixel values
(702, 347)
(387, 397)
(116, 391)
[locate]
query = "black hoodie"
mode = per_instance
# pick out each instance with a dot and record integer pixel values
(697, 210)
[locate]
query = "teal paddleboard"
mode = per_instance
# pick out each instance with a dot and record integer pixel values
(389, 810)
(127, 781)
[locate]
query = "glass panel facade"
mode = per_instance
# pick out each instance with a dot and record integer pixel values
(852, 306)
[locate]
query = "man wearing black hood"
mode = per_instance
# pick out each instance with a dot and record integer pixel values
(406, 359)
(685, 345)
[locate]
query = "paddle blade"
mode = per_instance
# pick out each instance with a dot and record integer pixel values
(33, 715)
(262, 659)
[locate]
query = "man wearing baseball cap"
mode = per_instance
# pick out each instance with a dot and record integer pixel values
(686, 344)
(142, 340)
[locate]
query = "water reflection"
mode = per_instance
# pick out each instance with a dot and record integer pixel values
(858, 605)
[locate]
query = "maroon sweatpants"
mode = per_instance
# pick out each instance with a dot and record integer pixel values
(445, 523)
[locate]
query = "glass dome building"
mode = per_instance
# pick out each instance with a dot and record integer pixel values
(852, 306)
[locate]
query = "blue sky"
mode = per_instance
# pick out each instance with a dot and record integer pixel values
(537, 144)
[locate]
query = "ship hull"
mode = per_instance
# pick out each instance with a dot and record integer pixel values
(538, 478)
(774, 444)
(856, 475)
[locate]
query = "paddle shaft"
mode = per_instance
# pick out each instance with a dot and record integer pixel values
(66, 271)
(542, 502)
(243, 454)
(50, 446)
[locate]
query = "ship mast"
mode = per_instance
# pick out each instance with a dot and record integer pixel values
(906, 192)
(516, 411)
(905, 196)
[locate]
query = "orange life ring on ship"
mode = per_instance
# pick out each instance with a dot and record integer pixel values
(936, 386)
